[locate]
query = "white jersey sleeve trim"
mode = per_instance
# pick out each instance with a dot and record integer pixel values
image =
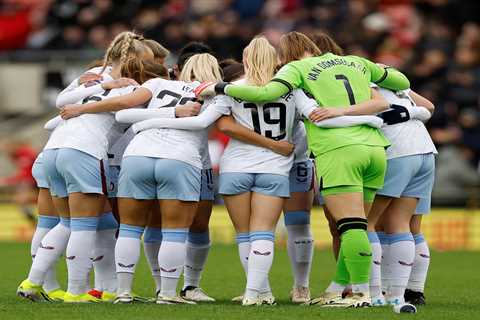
(137, 115)
(200, 122)
(419, 113)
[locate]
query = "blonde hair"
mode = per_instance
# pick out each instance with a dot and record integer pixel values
(122, 47)
(201, 67)
(159, 51)
(260, 60)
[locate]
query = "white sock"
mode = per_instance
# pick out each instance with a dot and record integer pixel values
(334, 287)
(44, 225)
(375, 272)
(79, 251)
(418, 276)
(51, 248)
(104, 254)
(198, 246)
(171, 259)
(385, 266)
(259, 262)
(152, 239)
(243, 241)
(299, 246)
(104, 261)
(402, 254)
(127, 254)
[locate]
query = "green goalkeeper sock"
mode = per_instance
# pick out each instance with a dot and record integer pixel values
(356, 249)
(341, 274)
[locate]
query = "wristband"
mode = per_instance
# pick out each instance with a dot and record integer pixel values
(220, 87)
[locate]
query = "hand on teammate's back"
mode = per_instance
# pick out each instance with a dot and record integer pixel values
(320, 114)
(89, 76)
(119, 83)
(283, 147)
(70, 111)
(189, 109)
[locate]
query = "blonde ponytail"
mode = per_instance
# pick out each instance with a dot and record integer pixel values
(260, 60)
(201, 67)
(122, 47)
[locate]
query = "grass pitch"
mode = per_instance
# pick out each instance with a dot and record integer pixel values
(452, 291)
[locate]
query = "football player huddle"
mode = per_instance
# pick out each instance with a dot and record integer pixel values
(128, 159)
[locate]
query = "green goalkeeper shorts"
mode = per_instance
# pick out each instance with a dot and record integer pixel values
(354, 168)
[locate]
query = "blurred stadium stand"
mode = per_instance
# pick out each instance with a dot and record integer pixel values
(44, 44)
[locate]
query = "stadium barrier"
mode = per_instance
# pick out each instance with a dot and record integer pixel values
(445, 229)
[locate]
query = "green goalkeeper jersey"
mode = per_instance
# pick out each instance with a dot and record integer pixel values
(334, 81)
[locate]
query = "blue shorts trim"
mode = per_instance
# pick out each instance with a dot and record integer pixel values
(69, 170)
(301, 176)
(207, 188)
(146, 178)
(232, 183)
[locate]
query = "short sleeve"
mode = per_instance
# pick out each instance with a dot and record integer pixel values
(152, 85)
(289, 75)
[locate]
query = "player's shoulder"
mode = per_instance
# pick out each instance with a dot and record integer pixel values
(99, 70)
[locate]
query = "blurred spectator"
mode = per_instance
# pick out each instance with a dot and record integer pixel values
(22, 156)
(436, 43)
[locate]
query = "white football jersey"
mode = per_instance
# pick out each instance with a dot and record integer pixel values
(407, 138)
(300, 142)
(183, 145)
(91, 133)
(120, 137)
(276, 120)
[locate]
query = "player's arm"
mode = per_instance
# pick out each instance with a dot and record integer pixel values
(377, 103)
(421, 101)
(386, 77)
(51, 124)
(91, 88)
(286, 79)
(233, 129)
(134, 99)
(200, 122)
(190, 109)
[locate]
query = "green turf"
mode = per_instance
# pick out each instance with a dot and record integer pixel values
(452, 291)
